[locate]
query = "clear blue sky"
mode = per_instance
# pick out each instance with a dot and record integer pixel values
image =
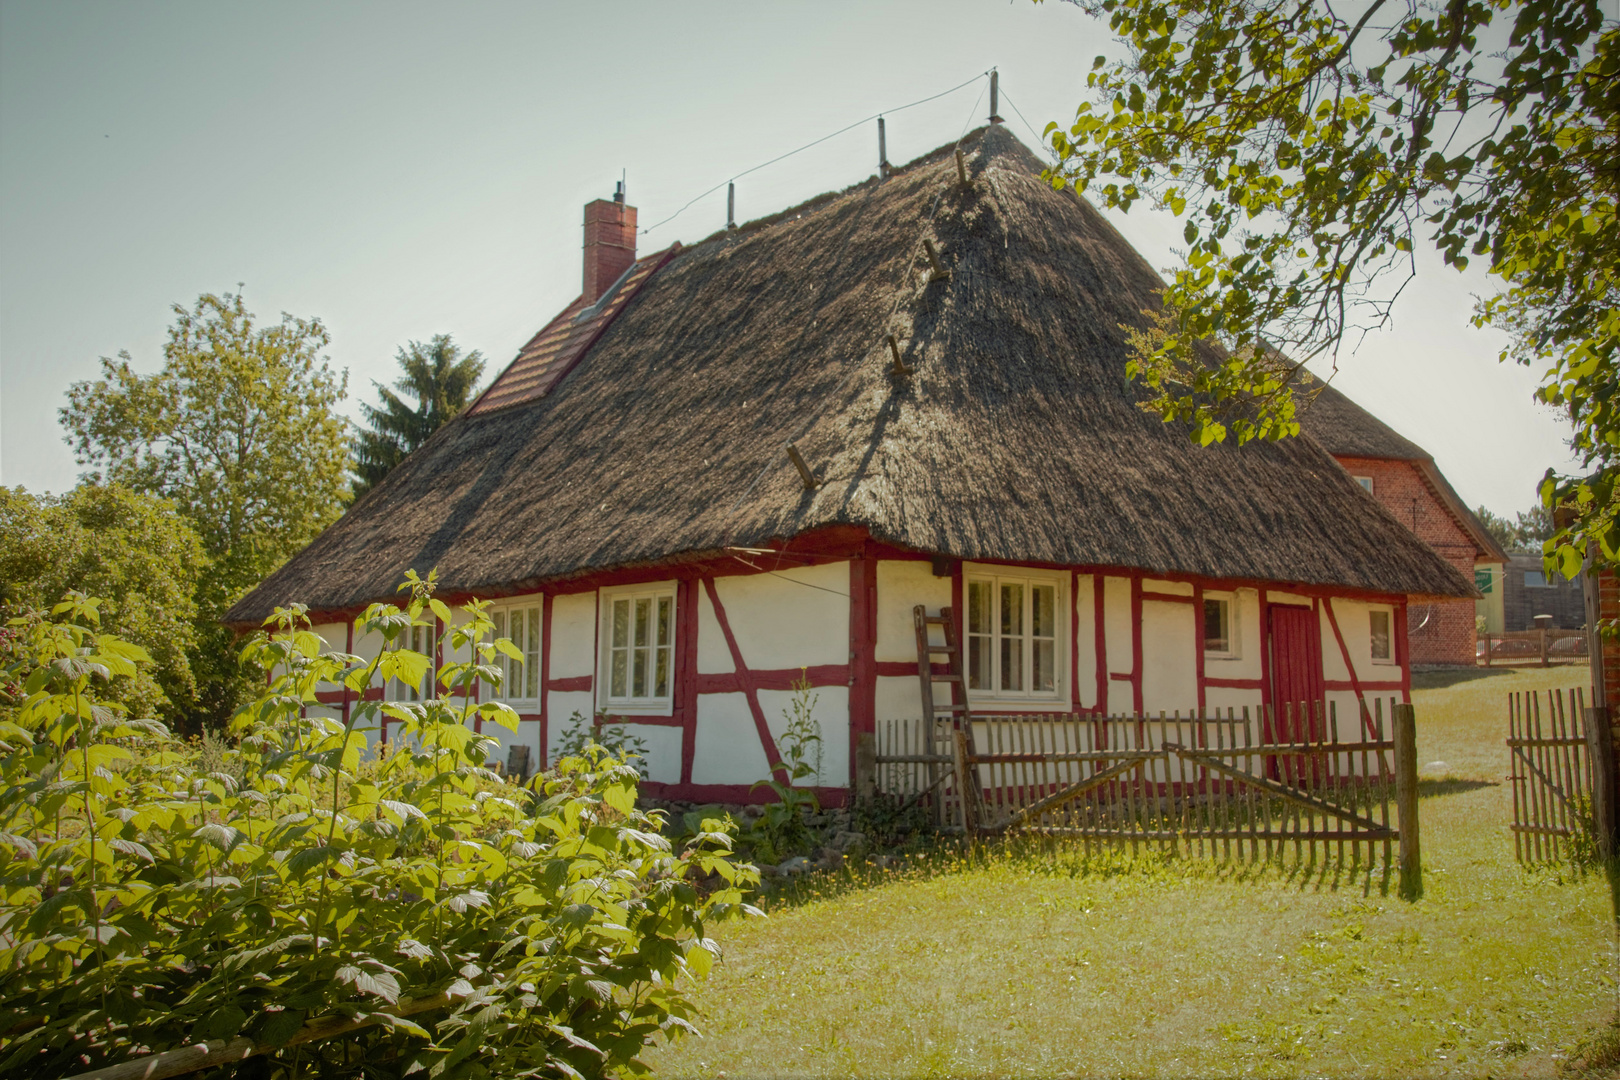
(403, 170)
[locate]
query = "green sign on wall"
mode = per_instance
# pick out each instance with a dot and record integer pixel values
(1483, 580)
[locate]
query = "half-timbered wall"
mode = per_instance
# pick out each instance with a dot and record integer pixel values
(1127, 644)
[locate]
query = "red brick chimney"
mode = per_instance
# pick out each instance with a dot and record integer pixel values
(610, 243)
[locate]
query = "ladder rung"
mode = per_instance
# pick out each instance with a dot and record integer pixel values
(942, 648)
(950, 708)
(947, 678)
(935, 620)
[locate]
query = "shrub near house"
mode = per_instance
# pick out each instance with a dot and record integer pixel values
(155, 896)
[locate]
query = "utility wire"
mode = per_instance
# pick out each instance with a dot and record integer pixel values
(808, 145)
(1042, 143)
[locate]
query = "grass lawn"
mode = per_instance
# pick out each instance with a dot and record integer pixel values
(1030, 963)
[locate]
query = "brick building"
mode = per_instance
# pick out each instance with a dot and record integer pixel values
(1404, 478)
(1528, 592)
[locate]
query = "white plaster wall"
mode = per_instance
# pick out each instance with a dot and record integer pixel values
(902, 584)
(573, 635)
(1222, 699)
(662, 759)
(1173, 588)
(789, 618)
(560, 706)
(334, 634)
(832, 713)
(714, 656)
(1246, 613)
(900, 698)
(1117, 625)
(727, 748)
(527, 734)
(1171, 639)
(1355, 623)
(1086, 639)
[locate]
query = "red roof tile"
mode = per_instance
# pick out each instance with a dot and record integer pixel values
(553, 352)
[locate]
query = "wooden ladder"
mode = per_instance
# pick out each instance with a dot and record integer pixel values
(962, 749)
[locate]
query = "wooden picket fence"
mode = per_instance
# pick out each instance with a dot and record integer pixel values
(1246, 785)
(1551, 775)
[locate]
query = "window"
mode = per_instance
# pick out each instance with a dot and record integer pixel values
(1366, 482)
(520, 681)
(1535, 579)
(417, 639)
(1382, 645)
(1012, 637)
(1220, 636)
(638, 652)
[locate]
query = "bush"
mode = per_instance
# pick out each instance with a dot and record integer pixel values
(157, 893)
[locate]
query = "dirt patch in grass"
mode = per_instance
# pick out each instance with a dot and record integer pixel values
(1024, 961)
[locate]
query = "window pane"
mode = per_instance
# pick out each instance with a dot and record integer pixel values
(532, 675)
(618, 684)
(1043, 610)
(1012, 662)
(1380, 635)
(643, 619)
(664, 606)
(1045, 677)
(978, 607)
(638, 677)
(978, 664)
(1012, 610)
(661, 679)
(1217, 622)
(621, 623)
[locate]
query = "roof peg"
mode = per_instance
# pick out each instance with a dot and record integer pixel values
(938, 273)
(995, 96)
(809, 478)
(883, 152)
(899, 367)
(731, 205)
(961, 167)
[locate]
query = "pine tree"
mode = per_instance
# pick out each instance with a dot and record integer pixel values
(441, 379)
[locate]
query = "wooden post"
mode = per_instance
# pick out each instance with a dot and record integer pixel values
(731, 206)
(809, 478)
(1406, 801)
(865, 765)
(1600, 751)
(961, 167)
(883, 152)
(1543, 646)
(995, 96)
(1487, 650)
(967, 781)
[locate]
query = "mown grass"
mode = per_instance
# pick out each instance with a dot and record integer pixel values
(1023, 961)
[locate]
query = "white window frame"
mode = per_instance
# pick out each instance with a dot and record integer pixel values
(1393, 657)
(1062, 614)
(630, 704)
(1365, 481)
(532, 613)
(413, 638)
(1233, 651)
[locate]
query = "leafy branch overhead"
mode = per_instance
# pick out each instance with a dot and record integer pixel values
(1310, 152)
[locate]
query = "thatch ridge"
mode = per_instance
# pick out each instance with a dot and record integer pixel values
(1017, 439)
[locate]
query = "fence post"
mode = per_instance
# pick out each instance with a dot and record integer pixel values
(1406, 801)
(967, 781)
(865, 766)
(1600, 751)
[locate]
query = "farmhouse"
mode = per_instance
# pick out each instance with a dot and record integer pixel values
(1402, 476)
(730, 465)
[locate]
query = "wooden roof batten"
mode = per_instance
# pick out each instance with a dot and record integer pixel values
(712, 353)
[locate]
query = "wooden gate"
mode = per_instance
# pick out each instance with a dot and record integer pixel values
(1551, 775)
(1213, 785)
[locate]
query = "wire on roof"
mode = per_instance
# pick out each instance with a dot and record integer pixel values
(808, 145)
(1042, 143)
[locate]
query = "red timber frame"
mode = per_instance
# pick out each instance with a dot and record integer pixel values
(696, 578)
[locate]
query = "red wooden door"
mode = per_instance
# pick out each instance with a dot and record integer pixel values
(1296, 684)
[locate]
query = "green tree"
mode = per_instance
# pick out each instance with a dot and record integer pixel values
(238, 429)
(132, 549)
(1310, 153)
(441, 379)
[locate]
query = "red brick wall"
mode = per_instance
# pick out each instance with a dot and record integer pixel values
(1608, 607)
(1441, 632)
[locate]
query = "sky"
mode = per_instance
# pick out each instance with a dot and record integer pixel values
(402, 170)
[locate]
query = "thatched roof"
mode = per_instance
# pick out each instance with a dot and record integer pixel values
(1346, 430)
(1017, 438)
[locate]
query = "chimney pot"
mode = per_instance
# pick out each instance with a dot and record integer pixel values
(610, 243)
